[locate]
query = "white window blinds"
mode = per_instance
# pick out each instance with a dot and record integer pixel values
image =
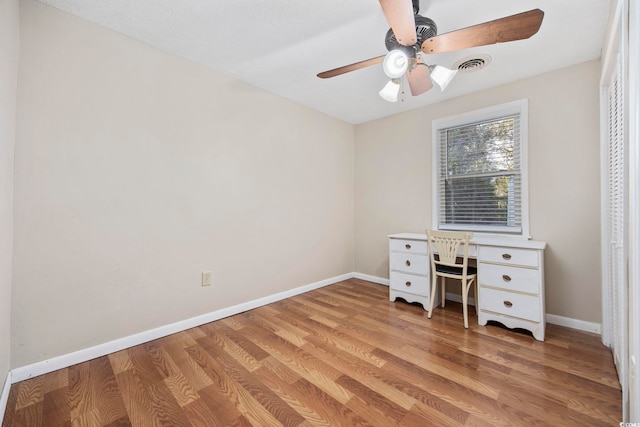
(480, 176)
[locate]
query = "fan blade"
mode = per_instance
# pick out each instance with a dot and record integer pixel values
(419, 81)
(510, 28)
(399, 14)
(351, 67)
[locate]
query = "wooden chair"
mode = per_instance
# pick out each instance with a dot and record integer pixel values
(448, 262)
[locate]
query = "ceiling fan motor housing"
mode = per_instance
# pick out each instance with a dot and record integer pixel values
(425, 29)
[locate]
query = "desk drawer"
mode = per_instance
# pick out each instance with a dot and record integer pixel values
(510, 304)
(508, 256)
(409, 263)
(510, 278)
(409, 246)
(409, 283)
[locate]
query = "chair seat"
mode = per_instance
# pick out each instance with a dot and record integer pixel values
(448, 269)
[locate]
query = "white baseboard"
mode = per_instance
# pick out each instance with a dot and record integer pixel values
(4, 397)
(458, 298)
(66, 360)
(369, 278)
(574, 323)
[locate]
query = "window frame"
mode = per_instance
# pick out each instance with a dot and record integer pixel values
(519, 107)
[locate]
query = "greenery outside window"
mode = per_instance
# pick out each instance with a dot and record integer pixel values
(480, 176)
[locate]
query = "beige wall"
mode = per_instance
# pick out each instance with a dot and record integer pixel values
(8, 86)
(393, 181)
(137, 170)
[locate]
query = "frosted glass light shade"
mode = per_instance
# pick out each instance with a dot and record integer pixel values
(395, 64)
(442, 76)
(391, 90)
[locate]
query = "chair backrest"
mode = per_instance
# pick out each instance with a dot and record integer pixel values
(446, 245)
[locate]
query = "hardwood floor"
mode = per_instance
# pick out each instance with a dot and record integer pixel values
(341, 355)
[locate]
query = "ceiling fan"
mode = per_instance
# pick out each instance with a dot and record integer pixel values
(412, 34)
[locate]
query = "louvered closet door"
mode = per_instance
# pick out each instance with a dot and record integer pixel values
(616, 224)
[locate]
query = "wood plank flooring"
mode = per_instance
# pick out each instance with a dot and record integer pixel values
(342, 355)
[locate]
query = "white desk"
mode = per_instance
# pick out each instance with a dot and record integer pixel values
(510, 278)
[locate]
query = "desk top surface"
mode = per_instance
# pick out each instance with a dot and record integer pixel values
(510, 242)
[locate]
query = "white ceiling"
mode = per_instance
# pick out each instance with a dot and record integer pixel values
(280, 45)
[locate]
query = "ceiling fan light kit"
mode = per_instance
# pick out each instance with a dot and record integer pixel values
(391, 90)
(395, 64)
(411, 33)
(442, 75)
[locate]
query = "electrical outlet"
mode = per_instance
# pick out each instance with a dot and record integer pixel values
(206, 278)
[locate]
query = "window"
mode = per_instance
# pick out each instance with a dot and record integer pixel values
(480, 180)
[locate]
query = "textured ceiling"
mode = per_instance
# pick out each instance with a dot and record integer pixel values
(280, 45)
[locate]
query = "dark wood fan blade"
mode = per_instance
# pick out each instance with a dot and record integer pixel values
(351, 67)
(399, 14)
(419, 80)
(510, 28)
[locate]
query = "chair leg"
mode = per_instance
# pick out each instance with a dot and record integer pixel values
(434, 284)
(443, 290)
(465, 297)
(475, 295)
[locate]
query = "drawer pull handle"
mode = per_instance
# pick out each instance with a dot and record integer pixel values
(408, 246)
(506, 256)
(507, 304)
(408, 284)
(506, 278)
(408, 263)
